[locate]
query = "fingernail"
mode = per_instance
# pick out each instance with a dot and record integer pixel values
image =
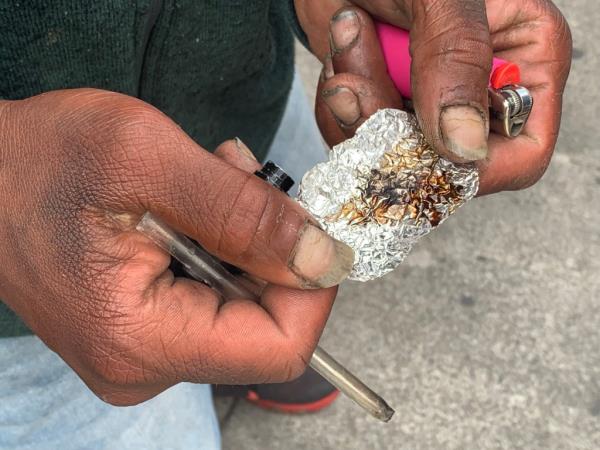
(344, 30)
(243, 149)
(343, 103)
(328, 71)
(320, 260)
(464, 131)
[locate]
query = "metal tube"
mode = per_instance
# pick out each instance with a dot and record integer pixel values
(350, 385)
(204, 267)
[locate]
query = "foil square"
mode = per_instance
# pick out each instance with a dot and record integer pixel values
(383, 189)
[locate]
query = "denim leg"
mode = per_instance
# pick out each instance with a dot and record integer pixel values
(43, 405)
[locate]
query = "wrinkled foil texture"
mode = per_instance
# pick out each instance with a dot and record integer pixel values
(327, 187)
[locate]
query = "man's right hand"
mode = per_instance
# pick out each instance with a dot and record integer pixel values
(78, 169)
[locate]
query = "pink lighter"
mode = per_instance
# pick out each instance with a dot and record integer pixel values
(510, 103)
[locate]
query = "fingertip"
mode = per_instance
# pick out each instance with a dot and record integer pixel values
(303, 314)
(356, 49)
(346, 100)
(344, 105)
(344, 29)
(319, 260)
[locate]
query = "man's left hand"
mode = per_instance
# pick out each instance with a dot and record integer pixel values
(452, 43)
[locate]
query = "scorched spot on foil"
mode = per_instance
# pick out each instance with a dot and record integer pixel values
(383, 189)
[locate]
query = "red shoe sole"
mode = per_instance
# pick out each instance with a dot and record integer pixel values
(293, 408)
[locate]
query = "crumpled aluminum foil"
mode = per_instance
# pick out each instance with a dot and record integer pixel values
(383, 189)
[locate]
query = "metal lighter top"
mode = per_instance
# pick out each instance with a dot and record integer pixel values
(276, 176)
(510, 103)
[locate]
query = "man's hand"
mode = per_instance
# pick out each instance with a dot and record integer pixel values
(77, 171)
(452, 43)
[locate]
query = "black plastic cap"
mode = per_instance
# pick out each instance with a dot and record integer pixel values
(275, 176)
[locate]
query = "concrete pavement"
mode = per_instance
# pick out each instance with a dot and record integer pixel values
(488, 336)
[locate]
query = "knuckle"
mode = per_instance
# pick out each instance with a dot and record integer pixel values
(110, 397)
(115, 361)
(453, 35)
(435, 10)
(550, 13)
(452, 46)
(116, 397)
(245, 217)
(105, 123)
(293, 369)
(296, 356)
(134, 134)
(114, 370)
(121, 143)
(535, 170)
(563, 30)
(135, 121)
(535, 175)
(559, 33)
(288, 368)
(286, 360)
(296, 367)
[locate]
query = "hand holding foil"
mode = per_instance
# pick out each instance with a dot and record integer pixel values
(383, 189)
(450, 71)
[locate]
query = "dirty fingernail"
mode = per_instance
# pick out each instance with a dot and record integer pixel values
(464, 131)
(343, 103)
(344, 30)
(319, 260)
(243, 149)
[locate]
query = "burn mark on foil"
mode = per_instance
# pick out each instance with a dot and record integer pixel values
(390, 186)
(409, 185)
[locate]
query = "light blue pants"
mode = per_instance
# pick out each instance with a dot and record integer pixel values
(44, 405)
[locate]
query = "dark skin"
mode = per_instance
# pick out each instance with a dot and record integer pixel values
(100, 294)
(531, 33)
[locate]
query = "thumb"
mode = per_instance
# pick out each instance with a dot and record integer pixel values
(233, 214)
(452, 58)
